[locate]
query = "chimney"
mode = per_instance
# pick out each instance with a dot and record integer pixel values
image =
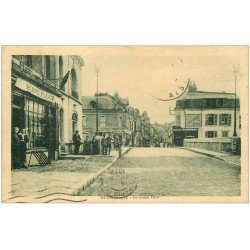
(116, 96)
(192, 87)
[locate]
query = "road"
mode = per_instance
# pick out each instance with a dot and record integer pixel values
(169, 172)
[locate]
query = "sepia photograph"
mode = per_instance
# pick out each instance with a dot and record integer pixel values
(125, 124)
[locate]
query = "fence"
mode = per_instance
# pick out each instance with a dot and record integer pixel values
(210, 144)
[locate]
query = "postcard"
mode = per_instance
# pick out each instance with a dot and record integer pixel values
(127, 124)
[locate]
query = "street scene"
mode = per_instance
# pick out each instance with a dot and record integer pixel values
(127, 123)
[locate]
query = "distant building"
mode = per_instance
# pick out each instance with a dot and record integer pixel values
(203, 117)
(115, 116)
(111, 115)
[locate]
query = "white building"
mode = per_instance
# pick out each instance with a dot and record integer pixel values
(49, 110)
(205, 117)
(71, 109)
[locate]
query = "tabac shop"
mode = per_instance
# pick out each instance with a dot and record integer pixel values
(36, 110)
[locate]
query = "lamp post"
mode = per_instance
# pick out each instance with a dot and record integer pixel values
(97, 71)
(235, 71)
(236, 145)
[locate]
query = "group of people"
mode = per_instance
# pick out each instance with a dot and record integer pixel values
(91, 147)
(96, 146)
(19, 148)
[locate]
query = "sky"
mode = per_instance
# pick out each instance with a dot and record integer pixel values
(142, 73)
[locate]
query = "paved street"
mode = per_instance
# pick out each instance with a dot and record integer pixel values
(169, 172)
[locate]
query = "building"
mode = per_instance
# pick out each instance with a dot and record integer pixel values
(111, 115)
(42, 106)
(115, 116)
(71, 91)
(206, 119)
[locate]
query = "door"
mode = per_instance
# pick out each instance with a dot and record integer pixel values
(50, 131)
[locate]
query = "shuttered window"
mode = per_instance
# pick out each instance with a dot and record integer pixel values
(211, 119)
(225, 119)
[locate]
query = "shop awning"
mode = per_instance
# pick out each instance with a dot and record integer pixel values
(28, 87)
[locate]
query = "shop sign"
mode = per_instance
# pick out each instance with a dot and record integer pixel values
(28, 87)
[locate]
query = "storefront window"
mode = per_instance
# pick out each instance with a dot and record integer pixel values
(35, 122)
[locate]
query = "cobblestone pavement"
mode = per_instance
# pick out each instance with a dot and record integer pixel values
(169, 172)
(88, 165)
(55, 179)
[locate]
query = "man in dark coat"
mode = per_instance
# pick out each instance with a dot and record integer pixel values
(118, 145)
(104, 144)
(77, 142)
(87, 146)
(23, 139)
(95, 146)
(15, 148)
(108, 144)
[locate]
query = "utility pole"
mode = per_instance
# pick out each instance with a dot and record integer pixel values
(97, 70)
(236, 144)
(235, 70)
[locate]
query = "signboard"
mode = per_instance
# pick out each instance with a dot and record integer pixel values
(28, 87)
(193, 121)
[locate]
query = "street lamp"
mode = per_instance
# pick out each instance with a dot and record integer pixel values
(235, 71)
(97, 71)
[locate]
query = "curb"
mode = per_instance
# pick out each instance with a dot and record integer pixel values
(76, 189)
(211, 155)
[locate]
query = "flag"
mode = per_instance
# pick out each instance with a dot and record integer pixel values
(64, 80)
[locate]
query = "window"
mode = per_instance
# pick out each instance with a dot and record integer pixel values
(47, 67)
(211, 119)
(74, 83)
(74, 122)
(225, 119)
(210, 134)
(178, 120)
(29, 61)
(61, 125)
(120, 121)
(224, 133)
(35, 123)
(239, 122)
(211, 103)
(193, 121)
(60, 67)
(84, 121)
(102, 122)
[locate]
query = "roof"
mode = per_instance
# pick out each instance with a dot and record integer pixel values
(105, 102)
(208, 95)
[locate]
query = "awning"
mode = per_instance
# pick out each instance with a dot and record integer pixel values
(28, 87)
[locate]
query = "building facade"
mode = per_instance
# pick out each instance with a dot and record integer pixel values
(204, 117)
(71, 91)
(111, 116)
(38, 101)
(115, 116)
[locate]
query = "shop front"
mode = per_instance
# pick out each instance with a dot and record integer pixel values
(37, 111)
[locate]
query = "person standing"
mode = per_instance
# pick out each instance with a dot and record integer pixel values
(15, 149)
(87, 146)
(104, 144)
(118, 145)
(95, 146)
(108, 144)
(23, 140)
(77, 142)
